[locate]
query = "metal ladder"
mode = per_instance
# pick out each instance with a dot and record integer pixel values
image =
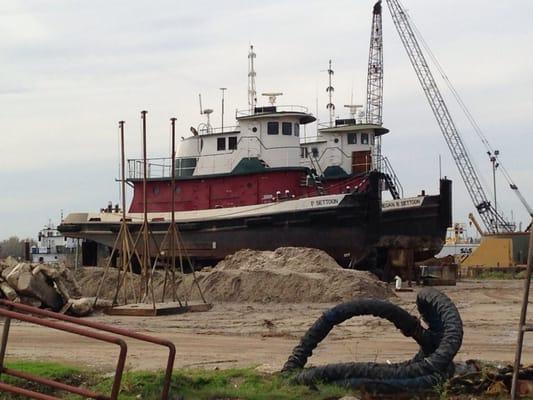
(523, 327)
(391, 179)
(316, 173)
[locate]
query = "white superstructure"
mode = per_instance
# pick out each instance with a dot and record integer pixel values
(52, 246)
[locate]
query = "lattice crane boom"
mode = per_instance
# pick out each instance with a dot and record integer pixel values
(374, 84)
(492, 220)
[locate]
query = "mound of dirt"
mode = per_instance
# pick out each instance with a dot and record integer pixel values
(287, 275)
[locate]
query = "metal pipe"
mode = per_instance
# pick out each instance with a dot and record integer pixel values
(106, 328)
(123, 169)
(146, 243)
(4, 387)
(172, 210)
(523, 315)
(54, 384)
(223, 89)
(79, 331)
(5, 336)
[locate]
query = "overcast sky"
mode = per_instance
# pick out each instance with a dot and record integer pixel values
(72, 69)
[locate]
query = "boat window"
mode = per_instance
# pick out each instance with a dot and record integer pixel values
(221, 143)
(352, 138)
(185, 166)
(372, 140)
(296, 129)
(273, 128)
(286, 128)
(304, 153)
(232, 143)
(364, 138)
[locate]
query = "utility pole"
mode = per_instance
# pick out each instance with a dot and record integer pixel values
(494, 160)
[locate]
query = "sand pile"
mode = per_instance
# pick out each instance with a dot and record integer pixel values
(287, 275)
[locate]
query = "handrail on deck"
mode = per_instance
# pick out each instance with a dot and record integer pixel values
(270, 110)
(7, 310)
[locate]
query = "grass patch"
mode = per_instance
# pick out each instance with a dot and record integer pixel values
(59, 372)
(227, 384)
(499, 275)
(244, 383)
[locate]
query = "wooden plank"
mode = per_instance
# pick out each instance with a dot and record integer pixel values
(147, 310)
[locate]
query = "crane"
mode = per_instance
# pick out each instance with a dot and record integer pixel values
(492, 220)
(374, 83)
(374, 99)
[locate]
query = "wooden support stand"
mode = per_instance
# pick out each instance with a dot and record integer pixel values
(170, 250)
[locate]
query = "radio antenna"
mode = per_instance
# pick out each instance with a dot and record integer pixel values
(252, 94)
(200, 99)
(330, 90)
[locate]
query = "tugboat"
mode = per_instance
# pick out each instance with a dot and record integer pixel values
(52, 246)
(258, 185)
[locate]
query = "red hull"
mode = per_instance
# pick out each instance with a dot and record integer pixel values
(200, 193)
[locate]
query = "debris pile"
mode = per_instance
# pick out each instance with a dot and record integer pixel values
(475, 377)
(44, 285)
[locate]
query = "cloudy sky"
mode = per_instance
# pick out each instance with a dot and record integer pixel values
(72, 69)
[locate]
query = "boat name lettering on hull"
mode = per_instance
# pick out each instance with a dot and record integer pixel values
(324, 202)
(402, 203)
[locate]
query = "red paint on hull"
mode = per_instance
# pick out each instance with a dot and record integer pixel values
(231, 190)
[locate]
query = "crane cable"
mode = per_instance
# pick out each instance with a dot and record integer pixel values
(461, 103)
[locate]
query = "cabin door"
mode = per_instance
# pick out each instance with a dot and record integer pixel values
(361, 161)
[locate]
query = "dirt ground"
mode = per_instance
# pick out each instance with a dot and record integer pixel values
(263, 335)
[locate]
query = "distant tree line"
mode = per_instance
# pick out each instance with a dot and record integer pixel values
(13, 247)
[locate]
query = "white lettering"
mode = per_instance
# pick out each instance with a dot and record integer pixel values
(402, 203)
(324, 202)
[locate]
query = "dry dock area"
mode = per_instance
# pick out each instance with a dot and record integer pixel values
(248, 334)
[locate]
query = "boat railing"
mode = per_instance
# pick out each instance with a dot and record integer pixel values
(270, 110)
(386, 168)
(161, 167)
(338, 123)
(205, 129)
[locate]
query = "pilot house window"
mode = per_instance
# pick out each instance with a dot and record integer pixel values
(232, 143)
(364, 138)
(286, 128)
(296, 129)
(273, 128)
(221, 143)
(352, 138)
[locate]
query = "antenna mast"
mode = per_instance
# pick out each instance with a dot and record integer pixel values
(330, 90)
(223, 89)
(252, 94)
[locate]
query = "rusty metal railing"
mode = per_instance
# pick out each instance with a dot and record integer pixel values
(75, 325)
